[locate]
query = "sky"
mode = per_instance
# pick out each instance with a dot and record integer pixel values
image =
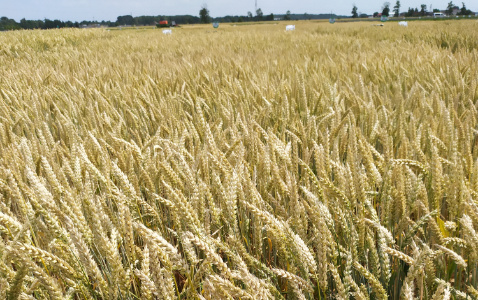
(109, 10)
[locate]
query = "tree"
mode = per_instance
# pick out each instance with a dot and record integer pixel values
(259, 14)
(449, 8)
(125, 20)
(375, 14)
(423, 10)
(354, 12)
(386, 9)
(204, 14)
(396, 9)
(8, 24)
(287, 15)
(30, 24)
(463, 10)
(249, 15)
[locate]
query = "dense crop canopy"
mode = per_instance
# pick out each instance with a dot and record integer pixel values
(333, 161)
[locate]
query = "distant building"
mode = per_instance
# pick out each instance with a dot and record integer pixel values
(90, 26)
(454, 12)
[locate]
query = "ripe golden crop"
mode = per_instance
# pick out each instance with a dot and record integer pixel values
(335, 161)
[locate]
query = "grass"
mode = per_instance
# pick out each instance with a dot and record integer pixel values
(335, 161)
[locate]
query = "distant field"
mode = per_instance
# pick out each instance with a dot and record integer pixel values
(246, 162)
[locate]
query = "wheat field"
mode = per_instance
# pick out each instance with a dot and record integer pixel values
(332, 162)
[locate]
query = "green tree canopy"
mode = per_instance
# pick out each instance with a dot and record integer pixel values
(449, 8)
(396, 9)
(204, 15)
(287, 15)
(463, 10)
(423, 9)
(354, 12)
(386, 9)
(125, 20)
(259, 14)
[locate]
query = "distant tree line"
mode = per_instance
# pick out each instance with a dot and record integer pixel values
(415, 12)
(151, 20)
(307, 16)
(11, 24)
(463, 11)
(259, 16)
(451, 8)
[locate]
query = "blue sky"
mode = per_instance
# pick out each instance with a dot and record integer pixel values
(78, 10)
